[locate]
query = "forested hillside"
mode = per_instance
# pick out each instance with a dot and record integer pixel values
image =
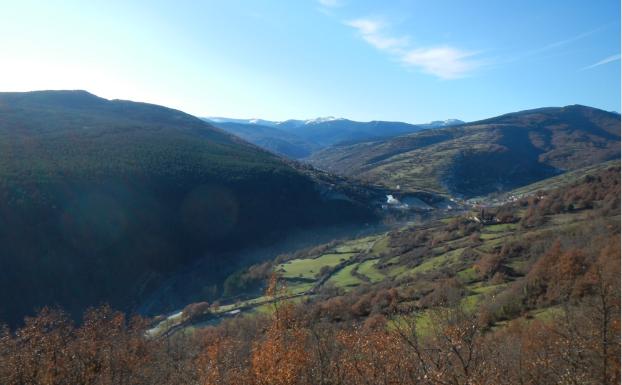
(100, 200)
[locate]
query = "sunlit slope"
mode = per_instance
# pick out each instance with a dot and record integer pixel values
(477, 158)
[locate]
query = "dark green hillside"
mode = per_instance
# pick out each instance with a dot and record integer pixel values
(477, 158)
(100, 200)
(271, 138)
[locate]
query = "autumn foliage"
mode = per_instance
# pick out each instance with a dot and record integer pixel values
(559, 323)
(580, 344)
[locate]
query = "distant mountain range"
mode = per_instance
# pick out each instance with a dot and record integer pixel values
(299, 139)
(477, 158)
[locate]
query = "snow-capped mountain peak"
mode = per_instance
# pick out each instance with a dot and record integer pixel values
(445, 123)
(321, 120)
(262, 122)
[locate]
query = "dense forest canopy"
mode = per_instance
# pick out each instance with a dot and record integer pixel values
(101, 200)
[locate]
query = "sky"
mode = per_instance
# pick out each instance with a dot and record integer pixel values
(400, 60)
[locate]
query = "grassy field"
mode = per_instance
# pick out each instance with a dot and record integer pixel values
(369, 270)
(299, 287)
(490, 236)
(449, 258)
(344, 277)
(381, 245)
(309, 268)
(356, 245)
(490, 242)
(467, 275)
(500, 228)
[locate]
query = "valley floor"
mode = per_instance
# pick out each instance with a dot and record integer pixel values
(457, 246)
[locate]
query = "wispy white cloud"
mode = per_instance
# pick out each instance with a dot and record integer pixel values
(445, 62)
(371, 31)
(572, 39)
(365, 26)
(556, 46)
(331, 3)
(606, 60)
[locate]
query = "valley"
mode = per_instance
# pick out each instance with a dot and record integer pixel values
(177, 210)
(452, 235)
(418, 257)
(318, 192)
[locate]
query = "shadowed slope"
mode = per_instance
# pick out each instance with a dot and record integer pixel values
(100, 200)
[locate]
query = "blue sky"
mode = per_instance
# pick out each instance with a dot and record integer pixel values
(411, 61)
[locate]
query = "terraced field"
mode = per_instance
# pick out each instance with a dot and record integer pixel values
(359, 262)
(345, 277)
(362, 268)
